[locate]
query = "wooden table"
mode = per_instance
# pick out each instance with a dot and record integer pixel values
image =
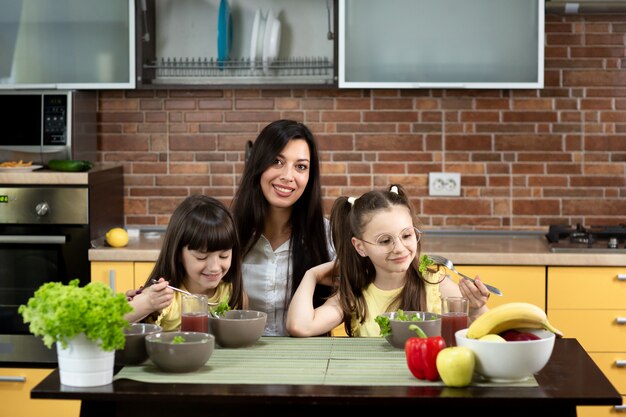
(569, 379)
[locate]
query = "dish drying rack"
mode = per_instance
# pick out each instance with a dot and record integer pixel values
(317, 70)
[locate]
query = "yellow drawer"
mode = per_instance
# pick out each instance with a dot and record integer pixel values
(596, 330)
(601, 411)
(16, 401)
(586, 287)
(613, 365)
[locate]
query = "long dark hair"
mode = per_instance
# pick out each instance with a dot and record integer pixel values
(204, 224)
(357, 272)
(309, 243)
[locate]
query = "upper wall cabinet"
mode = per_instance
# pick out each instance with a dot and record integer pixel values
(67, 44)
(218, 43)
(441, 43)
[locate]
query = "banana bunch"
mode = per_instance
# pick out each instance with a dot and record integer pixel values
(517, 315)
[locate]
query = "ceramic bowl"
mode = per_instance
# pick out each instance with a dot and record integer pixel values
(430, 323)
(134, 351)
(238, 328)
(189, 355)
(509, 361)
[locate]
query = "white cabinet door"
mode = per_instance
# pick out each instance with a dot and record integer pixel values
(67, 44)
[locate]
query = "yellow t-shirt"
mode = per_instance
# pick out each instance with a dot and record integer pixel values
(379, 301)
(169, 318)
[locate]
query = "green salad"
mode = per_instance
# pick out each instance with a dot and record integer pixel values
(385, 322)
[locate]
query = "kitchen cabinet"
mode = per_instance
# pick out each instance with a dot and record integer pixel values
(178, 43)
(441, 44)
(121, 276)
(588, 303)
(67, 44)
(517, 283)
(15, 386)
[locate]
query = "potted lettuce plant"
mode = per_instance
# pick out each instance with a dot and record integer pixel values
(83, 322)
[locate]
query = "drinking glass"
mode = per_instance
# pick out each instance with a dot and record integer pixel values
(194, 313)
(454, 316)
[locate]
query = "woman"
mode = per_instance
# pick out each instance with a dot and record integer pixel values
(280, 220)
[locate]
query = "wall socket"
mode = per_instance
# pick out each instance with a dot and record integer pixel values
(444, 183)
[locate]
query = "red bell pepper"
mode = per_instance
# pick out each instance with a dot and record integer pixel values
(421, 354)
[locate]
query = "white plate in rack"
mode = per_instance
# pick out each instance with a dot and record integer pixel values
(257, 26)
(271, 40)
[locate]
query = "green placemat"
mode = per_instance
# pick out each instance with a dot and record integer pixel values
(300, 361)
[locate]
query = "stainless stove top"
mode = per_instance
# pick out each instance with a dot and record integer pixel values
(593, 239)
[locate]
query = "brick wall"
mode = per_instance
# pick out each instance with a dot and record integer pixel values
(528, 158)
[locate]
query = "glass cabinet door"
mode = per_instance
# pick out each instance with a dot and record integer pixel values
(441, 43)
(67, 44)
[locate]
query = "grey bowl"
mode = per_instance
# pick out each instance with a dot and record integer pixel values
(134, 351)
(188, 356)
(238, 328)
(430, 323)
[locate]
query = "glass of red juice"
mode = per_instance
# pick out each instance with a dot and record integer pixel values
(454, 316)
(194, 313)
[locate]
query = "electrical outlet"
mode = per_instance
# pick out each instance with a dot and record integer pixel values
(444, 183)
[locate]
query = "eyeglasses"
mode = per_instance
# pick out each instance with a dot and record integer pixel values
(387, 242)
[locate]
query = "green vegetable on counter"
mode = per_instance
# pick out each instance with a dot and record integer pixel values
(69, 165)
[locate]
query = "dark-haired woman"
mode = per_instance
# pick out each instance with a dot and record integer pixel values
(280, 221)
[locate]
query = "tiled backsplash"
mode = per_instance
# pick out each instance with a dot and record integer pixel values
(527, 158)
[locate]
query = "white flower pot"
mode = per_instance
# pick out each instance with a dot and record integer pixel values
(84, 364)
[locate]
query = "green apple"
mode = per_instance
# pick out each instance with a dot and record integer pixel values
(455, 365)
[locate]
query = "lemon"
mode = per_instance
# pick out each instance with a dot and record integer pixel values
(117, 237)
(491, 337)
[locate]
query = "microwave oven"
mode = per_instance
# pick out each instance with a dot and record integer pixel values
(40, 125)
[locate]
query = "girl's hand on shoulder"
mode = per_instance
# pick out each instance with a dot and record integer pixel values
(324, 273)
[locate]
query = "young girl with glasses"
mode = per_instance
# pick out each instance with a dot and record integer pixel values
(376, 270)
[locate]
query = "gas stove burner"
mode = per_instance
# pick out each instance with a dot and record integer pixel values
(565, 238)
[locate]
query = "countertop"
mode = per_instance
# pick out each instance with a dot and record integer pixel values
(569, 379)
(464, 248)
(49, 177)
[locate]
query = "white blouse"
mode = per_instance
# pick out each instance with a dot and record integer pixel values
(266, 282)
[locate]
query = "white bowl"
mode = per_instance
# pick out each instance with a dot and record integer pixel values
(509, 361)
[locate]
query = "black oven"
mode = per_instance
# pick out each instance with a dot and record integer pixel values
(44, 237)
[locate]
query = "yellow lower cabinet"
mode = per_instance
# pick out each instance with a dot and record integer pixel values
(596, 330)
(142, 272)
(517, 283)
(119, 275)
(587, 303)
(15, 395)
(601, 411)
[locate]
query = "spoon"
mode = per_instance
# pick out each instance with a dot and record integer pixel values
(154, 281)
(440, 260)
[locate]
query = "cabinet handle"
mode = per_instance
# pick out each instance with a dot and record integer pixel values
(4, 378)
(621, 277)
(620, 363)
(112, 279)
(620, 320)
(620, 407)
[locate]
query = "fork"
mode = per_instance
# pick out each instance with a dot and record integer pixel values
(154, 281)
(440, 260)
